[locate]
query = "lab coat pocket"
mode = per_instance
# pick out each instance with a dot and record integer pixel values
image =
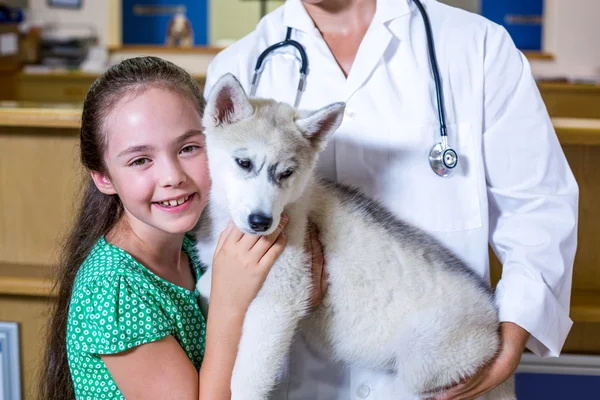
(434, 203)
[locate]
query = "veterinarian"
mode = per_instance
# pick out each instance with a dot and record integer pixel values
(510, 187)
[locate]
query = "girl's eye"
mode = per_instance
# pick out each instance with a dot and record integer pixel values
(139, 162)
(286, 174)
(244, 163)
(189, 149)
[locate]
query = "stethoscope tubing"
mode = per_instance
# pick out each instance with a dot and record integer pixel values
(441, 154)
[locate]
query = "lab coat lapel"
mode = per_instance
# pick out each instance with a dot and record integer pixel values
(374, 44)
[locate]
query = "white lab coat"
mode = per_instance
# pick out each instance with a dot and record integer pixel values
(512, 188)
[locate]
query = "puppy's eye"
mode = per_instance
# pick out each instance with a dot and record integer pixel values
(244, 163)
(286, 174)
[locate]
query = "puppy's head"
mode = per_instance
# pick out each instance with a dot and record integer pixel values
(261, 152)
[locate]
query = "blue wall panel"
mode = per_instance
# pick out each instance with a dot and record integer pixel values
(557, 387)
(146, 21)
(521, 18)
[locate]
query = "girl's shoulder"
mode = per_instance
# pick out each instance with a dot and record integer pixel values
(105, 262)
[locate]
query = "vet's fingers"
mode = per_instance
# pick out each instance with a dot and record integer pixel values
(317, 266)
(472, 388)
(452, 392)
(475, 392)
(223, 236)
(267, 261)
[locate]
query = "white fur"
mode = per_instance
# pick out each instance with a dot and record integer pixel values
(397, 300)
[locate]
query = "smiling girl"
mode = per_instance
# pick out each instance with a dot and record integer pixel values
(127, 322)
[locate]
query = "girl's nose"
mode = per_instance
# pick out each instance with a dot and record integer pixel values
(172, 175)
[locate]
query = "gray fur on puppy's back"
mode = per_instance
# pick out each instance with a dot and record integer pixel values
(432, 249)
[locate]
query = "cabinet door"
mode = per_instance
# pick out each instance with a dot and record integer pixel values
(146, 21)
(521, 18)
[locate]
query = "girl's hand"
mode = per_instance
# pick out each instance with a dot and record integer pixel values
(317, 265)
(241, 264)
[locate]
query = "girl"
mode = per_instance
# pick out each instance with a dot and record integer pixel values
(127, 322)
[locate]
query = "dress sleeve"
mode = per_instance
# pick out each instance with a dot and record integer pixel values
(118, 313)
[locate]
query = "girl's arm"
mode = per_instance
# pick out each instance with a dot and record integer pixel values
(161, 369)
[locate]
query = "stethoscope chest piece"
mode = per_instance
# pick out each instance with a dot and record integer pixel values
(442, 159)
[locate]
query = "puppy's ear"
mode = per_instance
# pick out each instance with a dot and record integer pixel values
(227, 103)
(319, 125)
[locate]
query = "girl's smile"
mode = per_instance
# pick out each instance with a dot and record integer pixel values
(175, 204)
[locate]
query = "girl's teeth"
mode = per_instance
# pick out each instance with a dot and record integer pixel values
(173, 203)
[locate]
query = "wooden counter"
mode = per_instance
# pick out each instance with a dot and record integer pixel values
(59, 87)
(568, 100)
(41, 180)
(39, 115)
(577, 131)
(40, 140)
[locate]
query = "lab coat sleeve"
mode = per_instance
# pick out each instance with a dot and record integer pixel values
(533, 199)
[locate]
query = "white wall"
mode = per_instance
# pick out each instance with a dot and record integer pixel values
(572, 35)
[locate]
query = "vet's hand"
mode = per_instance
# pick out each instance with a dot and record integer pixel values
(317, 264)
(241, 264)
(499, 370)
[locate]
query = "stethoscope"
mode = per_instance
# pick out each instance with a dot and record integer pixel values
(442, 158)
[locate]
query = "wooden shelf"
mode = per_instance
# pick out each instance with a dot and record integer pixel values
(578, 131)
(538, 55)
(585, 306)
(148, 50)
(25, 280)
(24, 114)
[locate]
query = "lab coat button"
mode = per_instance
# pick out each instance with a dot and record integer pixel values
(363, 391)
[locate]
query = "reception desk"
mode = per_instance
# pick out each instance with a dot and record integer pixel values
(41, 180)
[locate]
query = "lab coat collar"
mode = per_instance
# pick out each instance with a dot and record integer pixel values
(296, 16)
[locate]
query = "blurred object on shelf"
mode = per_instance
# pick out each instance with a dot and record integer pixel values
(179, 31)
(68, 50)
(29, 43)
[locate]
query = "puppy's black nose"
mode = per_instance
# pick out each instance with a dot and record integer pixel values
(260, 222)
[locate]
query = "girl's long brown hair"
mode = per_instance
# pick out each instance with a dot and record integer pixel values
(98, 213)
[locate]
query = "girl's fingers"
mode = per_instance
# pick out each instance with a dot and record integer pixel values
(234, 236)
(267, 261)
(224, 236)
(265, 242)
(248, 241)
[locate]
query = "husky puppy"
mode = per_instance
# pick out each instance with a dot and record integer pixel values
(397, 299)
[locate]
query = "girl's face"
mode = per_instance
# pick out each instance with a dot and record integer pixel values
(156, 161)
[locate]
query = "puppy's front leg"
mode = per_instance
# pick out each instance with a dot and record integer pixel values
(267, 335)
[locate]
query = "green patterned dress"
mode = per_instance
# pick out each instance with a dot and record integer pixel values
(118, 304)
